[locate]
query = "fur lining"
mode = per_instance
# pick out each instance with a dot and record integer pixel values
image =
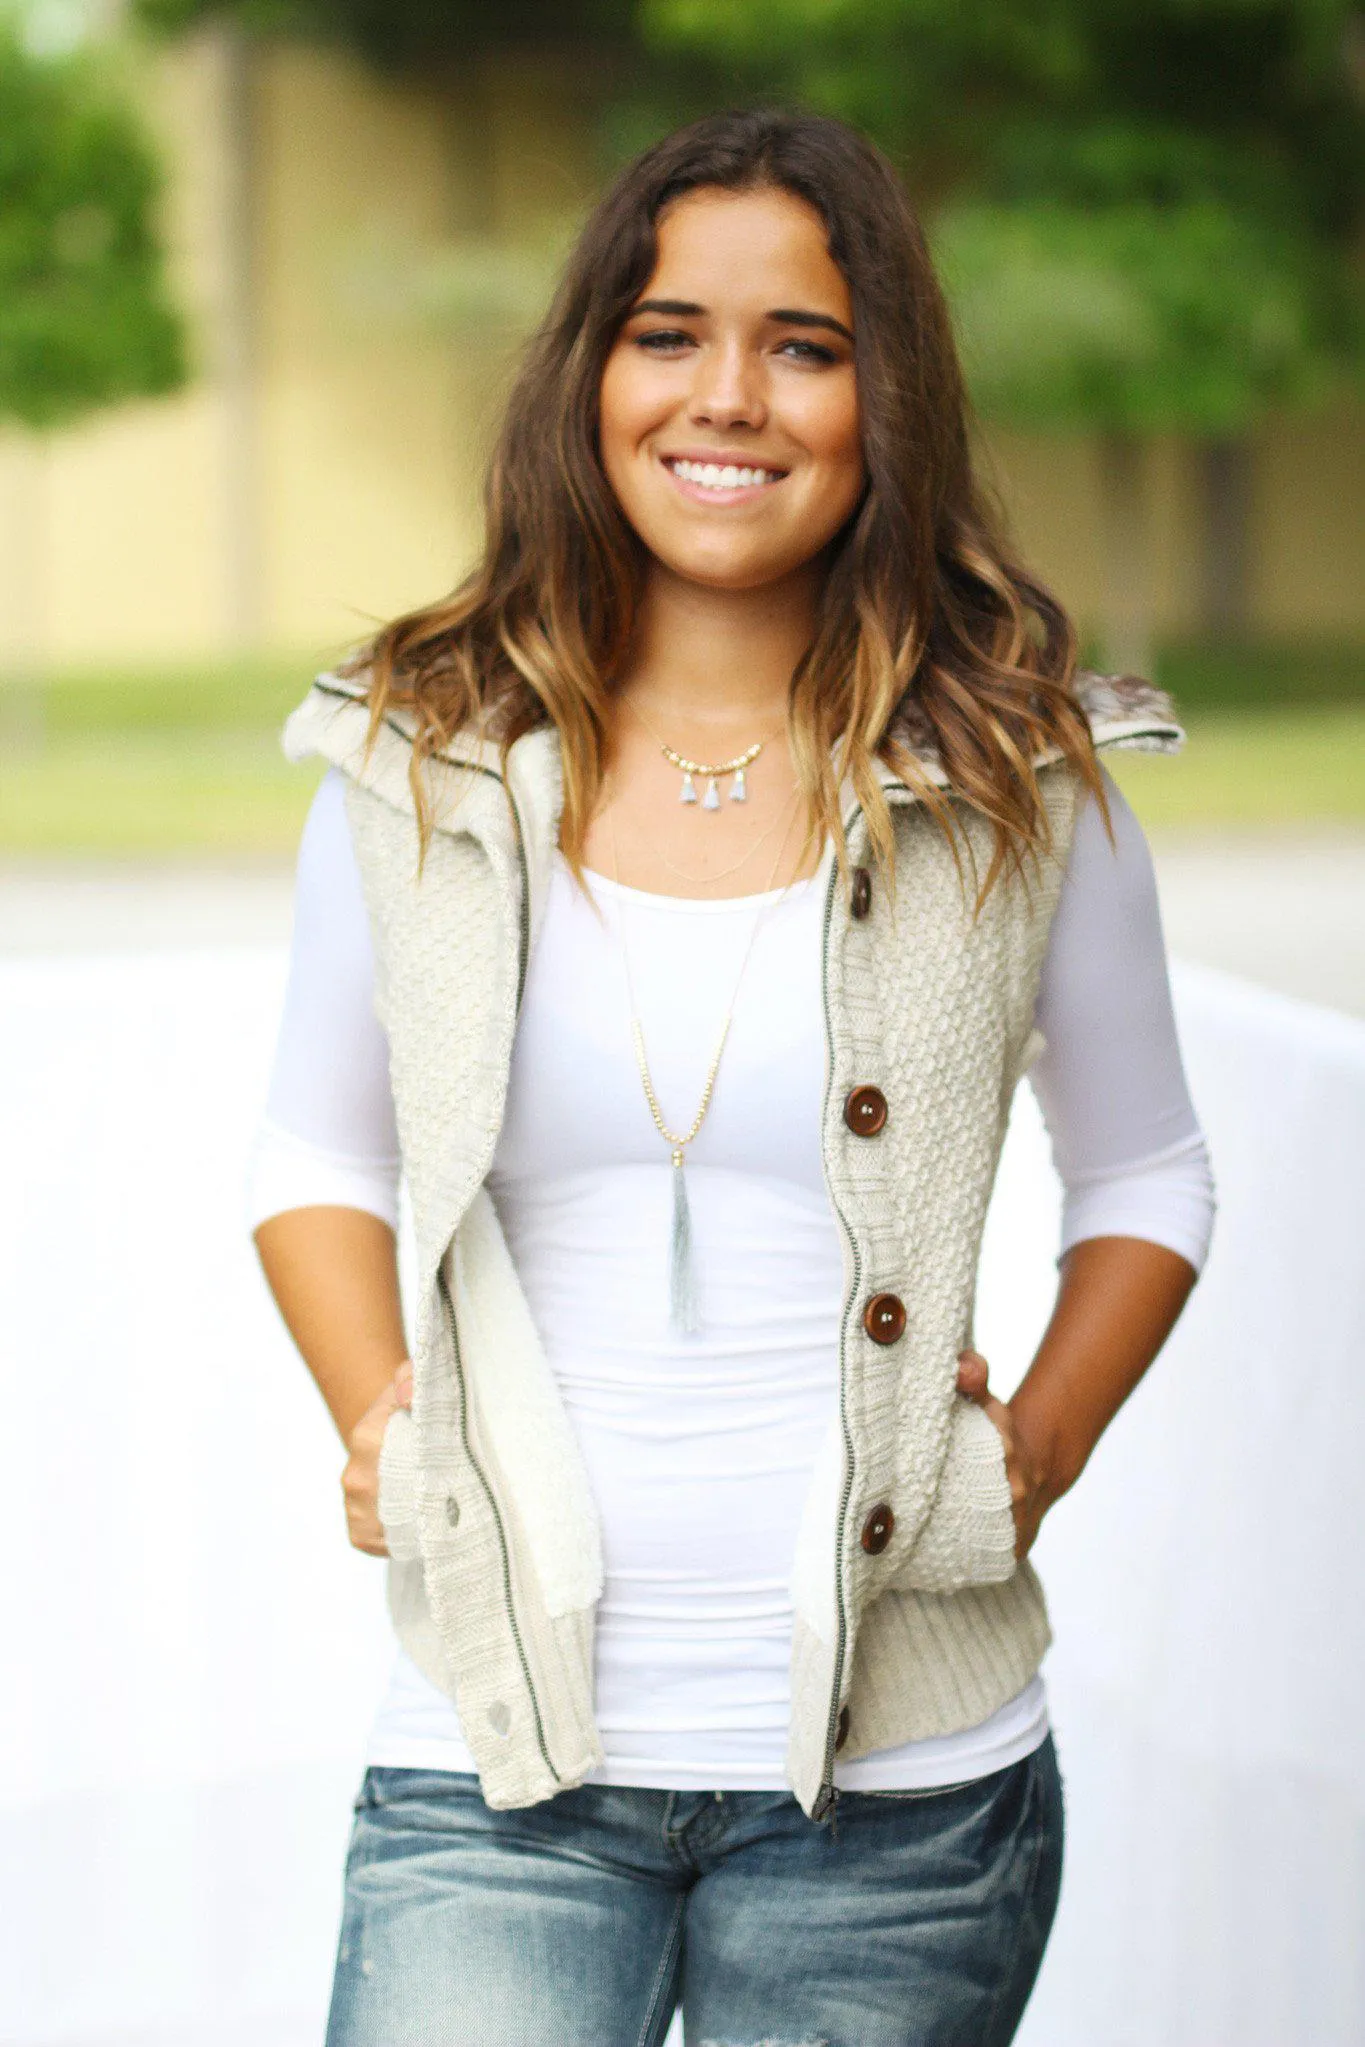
(1121, 710)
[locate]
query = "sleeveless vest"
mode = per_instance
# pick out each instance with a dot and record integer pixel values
(912, 1616)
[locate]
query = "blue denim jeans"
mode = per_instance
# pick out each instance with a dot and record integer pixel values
(918, 1919)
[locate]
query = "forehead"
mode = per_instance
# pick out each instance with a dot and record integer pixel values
(747, 251)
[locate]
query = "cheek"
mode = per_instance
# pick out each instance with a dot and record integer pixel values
(832, 430)
(629, 404)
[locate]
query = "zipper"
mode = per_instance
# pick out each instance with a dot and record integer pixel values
(499, 1524)
(826, 1801)
(524, 919)
(827, 1798)
(523, 963)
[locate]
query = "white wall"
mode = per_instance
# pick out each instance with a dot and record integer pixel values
(193, 1652)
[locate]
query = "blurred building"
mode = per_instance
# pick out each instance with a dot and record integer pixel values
(323, 469)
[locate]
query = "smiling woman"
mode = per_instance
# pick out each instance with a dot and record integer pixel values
(726, 401)
(705, 1531)
(754, 291)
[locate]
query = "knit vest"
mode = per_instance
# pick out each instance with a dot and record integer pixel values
(912, 1617)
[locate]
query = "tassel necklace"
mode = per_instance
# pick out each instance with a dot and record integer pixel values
(682, 1279)
(712, 773)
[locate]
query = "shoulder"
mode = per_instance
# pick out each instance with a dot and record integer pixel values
(1128, 711)
(335, 722)
(1122, 711)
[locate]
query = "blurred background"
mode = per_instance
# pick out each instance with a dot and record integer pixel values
(264, 269)
(265, 266)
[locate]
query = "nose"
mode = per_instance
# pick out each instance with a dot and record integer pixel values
(727, 389)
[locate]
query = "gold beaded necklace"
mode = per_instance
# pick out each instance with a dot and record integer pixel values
(710, 772)
(682, 1287)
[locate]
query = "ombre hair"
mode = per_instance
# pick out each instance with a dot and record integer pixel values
(930, 635)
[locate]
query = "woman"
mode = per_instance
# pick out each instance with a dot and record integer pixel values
(686, 896)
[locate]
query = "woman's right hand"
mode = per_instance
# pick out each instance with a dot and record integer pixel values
(360, 1479)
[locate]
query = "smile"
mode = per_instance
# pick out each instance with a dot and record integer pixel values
(720, 482)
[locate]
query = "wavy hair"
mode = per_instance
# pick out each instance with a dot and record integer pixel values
(929, 633)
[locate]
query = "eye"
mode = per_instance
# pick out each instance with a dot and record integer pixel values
(808, 351)
(663, 340)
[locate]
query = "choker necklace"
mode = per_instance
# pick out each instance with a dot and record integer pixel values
(710, 772)
(682, 1280)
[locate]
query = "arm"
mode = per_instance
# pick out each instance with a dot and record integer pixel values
(1138, 1192)
(324, 1180)
(334, 1275)
(1118, 1300)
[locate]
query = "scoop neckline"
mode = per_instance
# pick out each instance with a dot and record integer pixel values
(604, 883)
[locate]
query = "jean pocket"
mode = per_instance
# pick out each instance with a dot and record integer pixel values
(903, 1794)
(387, 1784)
(985, 1785)
(969, 1536)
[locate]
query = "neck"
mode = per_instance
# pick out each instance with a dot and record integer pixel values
(720, 657)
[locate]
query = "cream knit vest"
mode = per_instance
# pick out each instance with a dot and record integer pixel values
(496, 1557)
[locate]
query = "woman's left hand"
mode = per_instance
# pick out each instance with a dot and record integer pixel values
(1028, 1494)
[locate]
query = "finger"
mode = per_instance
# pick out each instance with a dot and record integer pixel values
(1000, 1413)
(364, 1529)
(972, 1373)
(402, 1384)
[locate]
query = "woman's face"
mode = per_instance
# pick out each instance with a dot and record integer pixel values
(729, 405)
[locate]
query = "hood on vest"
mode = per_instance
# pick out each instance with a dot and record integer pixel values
(1122, 711)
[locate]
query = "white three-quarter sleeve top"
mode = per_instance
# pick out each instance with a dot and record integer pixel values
(699, 1448)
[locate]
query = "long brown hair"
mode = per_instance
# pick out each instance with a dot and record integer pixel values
(929, 632)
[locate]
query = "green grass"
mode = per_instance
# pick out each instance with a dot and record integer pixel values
(176, 760)
(1301, 769)
(1262, 676)
(224, 797)
(186, 763)
(254, 695)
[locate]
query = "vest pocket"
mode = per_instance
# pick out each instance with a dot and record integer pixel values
(969, 1536)
(398, 1487)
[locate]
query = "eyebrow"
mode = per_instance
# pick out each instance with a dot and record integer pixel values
(783, 316)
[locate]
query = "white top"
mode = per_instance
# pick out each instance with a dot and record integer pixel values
(700, 1448)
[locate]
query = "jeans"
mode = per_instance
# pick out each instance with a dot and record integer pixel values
(918, 1919)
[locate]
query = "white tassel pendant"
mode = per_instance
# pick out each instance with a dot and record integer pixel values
(683, 1311)
(712, 773)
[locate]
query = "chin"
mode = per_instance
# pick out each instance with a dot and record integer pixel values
(711, 574)
(721, 567)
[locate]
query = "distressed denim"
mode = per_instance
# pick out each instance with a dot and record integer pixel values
(917, 1919)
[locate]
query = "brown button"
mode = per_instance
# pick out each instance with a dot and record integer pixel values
(877, 1530)
(860, 897)
(842, 1735)
(865, 1111)
(884, 1318)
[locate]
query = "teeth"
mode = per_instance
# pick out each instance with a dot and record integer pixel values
(722, 476)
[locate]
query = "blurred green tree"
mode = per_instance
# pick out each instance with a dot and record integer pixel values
(405, 33)
(1148, 214)
(85, 317)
